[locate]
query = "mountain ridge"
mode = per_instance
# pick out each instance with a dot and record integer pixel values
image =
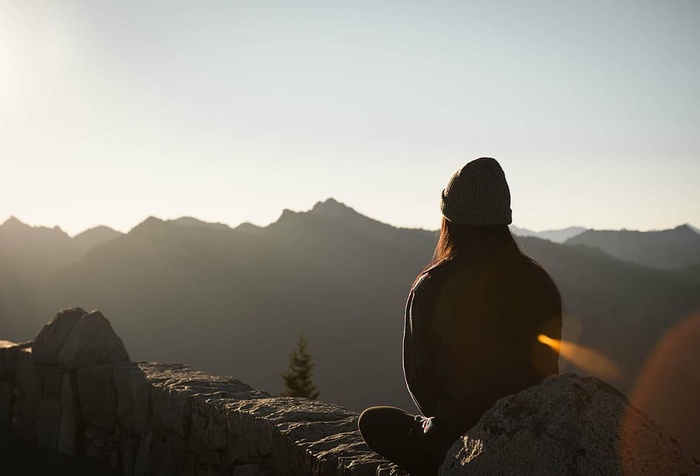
(189, 220)
(234, 302)
(557, 236)
(664, 249)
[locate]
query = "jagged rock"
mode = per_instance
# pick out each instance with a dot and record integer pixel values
(175, 387)
(53, 335)
(566, 425)
(98, 395)
(165, 419)
(305, 436)
(92, 341)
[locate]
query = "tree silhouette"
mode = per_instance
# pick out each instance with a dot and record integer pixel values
(298, 379)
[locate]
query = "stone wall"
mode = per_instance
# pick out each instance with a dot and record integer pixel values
(75, 391)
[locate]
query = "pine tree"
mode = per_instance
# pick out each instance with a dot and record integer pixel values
(298, 379)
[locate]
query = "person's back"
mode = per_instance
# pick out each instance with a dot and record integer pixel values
(471, 326)
(482, 317)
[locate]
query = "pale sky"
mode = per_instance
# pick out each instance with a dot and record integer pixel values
(231, 111)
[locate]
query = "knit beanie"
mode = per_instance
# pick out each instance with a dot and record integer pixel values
(478, 194)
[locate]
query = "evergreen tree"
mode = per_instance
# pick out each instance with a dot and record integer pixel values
(298, 380)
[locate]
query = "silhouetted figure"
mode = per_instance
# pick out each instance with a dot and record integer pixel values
(472, 323)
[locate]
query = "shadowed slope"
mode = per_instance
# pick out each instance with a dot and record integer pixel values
(233, 302)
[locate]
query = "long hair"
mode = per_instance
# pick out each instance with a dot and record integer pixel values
(459, 241)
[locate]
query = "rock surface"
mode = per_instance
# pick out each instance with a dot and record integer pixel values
(92, 341)
(74, 390)
(53, 335)
(567, 425)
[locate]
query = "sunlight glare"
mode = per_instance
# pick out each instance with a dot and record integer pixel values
(586, 359)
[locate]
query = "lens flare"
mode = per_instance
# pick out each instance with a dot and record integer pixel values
(586, 359)
(668, 387)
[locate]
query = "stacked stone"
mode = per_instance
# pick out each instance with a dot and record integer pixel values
(75, 390)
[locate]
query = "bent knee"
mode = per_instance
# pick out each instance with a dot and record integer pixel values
(376, 420)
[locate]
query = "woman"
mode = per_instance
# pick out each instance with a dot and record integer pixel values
(472, 323)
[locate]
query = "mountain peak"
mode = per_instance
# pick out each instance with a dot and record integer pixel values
(191, 221)
(13, 222)
(14, 226)
(557, 236)
(332, 208)
(249, 228)
(147, 224)
(96, 236)
(686, 228)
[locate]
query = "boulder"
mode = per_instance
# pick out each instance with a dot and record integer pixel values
(92, 341)
(52, 336)
(566, 425)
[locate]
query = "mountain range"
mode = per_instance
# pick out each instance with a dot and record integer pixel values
(557, 236)
(666, 249)
(234, 300)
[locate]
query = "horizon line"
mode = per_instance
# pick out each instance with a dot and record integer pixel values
(330, 199)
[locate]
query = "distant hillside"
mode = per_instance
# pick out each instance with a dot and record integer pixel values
(234, 301)
(689, 274)
(28, 256)
(93, 237)
(35, 250)
(557, 236)
(331, 273)
(667, 249)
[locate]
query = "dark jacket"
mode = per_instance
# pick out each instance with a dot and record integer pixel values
(471, 334)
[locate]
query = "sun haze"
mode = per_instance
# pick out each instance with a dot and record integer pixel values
(232, 111)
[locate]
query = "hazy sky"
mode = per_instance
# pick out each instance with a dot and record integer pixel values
(231, 111)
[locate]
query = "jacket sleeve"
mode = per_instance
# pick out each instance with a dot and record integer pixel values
(421, 345)
(537, 309)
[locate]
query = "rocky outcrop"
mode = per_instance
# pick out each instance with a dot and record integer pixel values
(75, 391)
(567, 425)
(75, 339)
